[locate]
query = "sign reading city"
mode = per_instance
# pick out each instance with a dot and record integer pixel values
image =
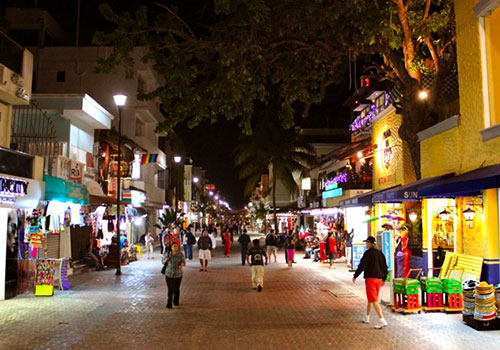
(12, 188)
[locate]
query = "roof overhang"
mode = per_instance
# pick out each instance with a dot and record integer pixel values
(80, 109)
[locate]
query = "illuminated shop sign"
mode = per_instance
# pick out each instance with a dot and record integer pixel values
(330, 185)
(337, 192)
(12, 188)
(364, 119)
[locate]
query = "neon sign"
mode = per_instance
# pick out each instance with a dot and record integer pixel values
(330, 184)
(364, 121)
(332, 193)
(341, 178)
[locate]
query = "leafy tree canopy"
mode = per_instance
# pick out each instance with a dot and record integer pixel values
(288, 50)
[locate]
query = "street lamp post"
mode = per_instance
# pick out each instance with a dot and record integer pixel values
(177, 160)
(119, 102)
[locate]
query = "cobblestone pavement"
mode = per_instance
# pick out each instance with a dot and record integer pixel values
(219, 310)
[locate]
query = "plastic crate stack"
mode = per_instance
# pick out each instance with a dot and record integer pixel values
(453, 294)
(432, 293)
(485, 306)
(406, 294)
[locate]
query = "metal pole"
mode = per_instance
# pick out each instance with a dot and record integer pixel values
(118, 192)
(176, 187)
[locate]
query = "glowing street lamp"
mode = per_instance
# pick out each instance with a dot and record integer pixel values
(196, 180)
(177, 159)
(423, 95)
(120, 101)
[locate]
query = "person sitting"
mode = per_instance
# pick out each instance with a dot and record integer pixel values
(95, 255)
(309, 249)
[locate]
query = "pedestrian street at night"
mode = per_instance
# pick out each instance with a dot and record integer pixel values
(308, 306)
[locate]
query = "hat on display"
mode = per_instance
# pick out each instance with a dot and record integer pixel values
(370, 240)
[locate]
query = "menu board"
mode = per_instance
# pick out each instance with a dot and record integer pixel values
(45, 269)
(358, 249)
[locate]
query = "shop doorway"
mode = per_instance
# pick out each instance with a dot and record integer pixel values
(80, 240)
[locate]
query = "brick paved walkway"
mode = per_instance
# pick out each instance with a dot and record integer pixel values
(219, 310)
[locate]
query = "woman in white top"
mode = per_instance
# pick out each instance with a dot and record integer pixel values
(149, 245)
(214, 242)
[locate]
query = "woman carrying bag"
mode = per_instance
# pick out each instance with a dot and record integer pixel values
(173, 266)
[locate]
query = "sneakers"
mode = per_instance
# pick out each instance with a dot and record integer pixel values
(381, 324)
(366, 319)
(259, 288)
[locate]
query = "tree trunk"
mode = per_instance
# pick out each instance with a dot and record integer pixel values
(417, 116)
(274, 201)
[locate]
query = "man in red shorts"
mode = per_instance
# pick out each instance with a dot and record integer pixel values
(374, 265)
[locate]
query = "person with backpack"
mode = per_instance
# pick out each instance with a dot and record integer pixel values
(256, 258)
(244, 240)
(272, 245)
(188, 240)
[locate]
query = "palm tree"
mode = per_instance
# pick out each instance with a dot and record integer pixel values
(282, 152)
(170, 218)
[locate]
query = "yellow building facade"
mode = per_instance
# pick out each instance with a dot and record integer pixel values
(472, 140)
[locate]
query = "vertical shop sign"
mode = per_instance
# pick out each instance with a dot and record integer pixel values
(358, 249)
(386, 248)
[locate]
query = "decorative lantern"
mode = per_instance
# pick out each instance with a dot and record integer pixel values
(469, 215)
(413, 216)
(445, 215)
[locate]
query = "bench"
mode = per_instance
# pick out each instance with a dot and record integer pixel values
(461, 266)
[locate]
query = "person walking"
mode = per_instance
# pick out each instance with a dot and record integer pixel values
(227, 243)
(212, 235)
(175, 261)
(374, 266)
(244, 240)
(162, 242)
(148, 242)
(189, 241)
(272, 245)
(204, 247)
(168, 240)
(348, 246)
(290, 249)
(332, 248)
(256, 258)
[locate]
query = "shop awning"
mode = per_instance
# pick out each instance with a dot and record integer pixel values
(465, 185)
(362, 200)
(408, 192)
(104, 200)
(65, 191)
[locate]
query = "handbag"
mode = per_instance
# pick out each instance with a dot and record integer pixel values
(164, 268)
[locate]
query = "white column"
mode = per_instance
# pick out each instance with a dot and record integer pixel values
(430, 263)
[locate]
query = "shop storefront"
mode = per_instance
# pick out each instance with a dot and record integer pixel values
(19, 198)
(461, 215)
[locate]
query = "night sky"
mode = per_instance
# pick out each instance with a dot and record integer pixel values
(210, 145)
